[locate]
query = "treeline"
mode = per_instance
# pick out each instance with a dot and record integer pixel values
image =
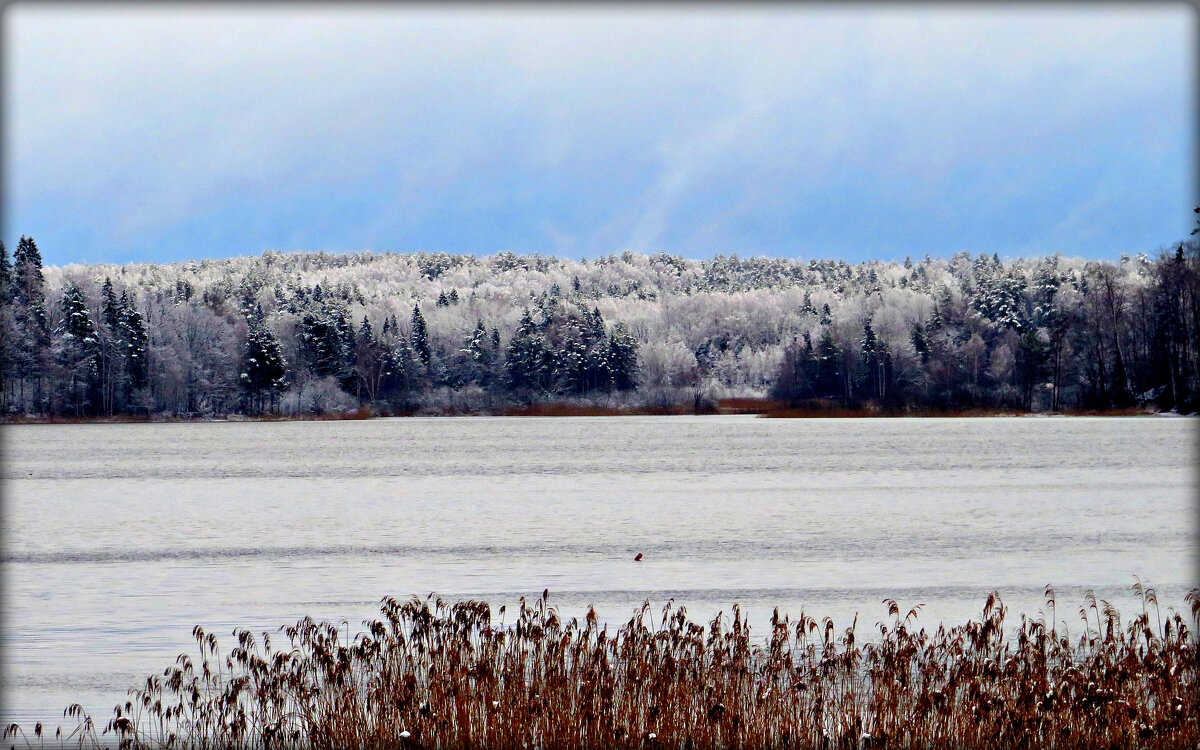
(1053, 338)
(430, 332)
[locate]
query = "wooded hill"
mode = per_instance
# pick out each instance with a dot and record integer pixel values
(309, 332)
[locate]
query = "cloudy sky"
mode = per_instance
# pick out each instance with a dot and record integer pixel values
(170, 132)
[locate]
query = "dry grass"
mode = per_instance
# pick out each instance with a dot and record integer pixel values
(748, 405)
(361, 412)
(563, 410)
(429, 674)
(828, 409)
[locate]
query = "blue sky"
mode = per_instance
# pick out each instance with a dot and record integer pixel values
(170, 132)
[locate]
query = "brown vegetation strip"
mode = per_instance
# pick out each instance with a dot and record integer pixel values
(762, 407)
(428, 674)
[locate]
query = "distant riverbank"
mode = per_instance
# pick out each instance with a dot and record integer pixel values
(756, 406)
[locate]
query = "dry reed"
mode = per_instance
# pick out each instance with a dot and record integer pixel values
(430, 674)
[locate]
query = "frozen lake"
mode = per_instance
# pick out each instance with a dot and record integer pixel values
(119, 538)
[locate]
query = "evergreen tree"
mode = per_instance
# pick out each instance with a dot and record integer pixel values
(920, 341)
(137, 348)
(7, 326)
(623, 357)
(797, 373)
(829, 371)
(112, 347)
(873, 363)
(478, 355)
(327, 344)
(419, 338)
(109, 310)
(1031, 357)
(77, 351)
(370, 361)
(598, 371)
(479, 345)
(524, 360)
(31, 326)
(264, 369)
(396, 380)
(6, 276)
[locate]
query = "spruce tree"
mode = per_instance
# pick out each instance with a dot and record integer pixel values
(264, 369)
(920, 341)
(6, 276)
(829, 373)
(31, 326)
(623, 357)
(477, 345)
(420, 336)
(396, 379)
(598, 372)
(137, 348)
(327, 344)
(112, 347)
(77, 350)
(369, 360)
(524, 360)
(478, 355)
(6, 328)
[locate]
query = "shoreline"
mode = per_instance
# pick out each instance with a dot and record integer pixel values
(764, 408)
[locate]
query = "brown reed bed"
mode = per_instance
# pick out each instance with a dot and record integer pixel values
(563, 409)
(436, 675)
(830, 410)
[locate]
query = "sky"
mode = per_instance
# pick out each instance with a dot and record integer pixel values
(164, 132)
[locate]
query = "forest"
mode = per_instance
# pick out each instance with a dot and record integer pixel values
(432, 333)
